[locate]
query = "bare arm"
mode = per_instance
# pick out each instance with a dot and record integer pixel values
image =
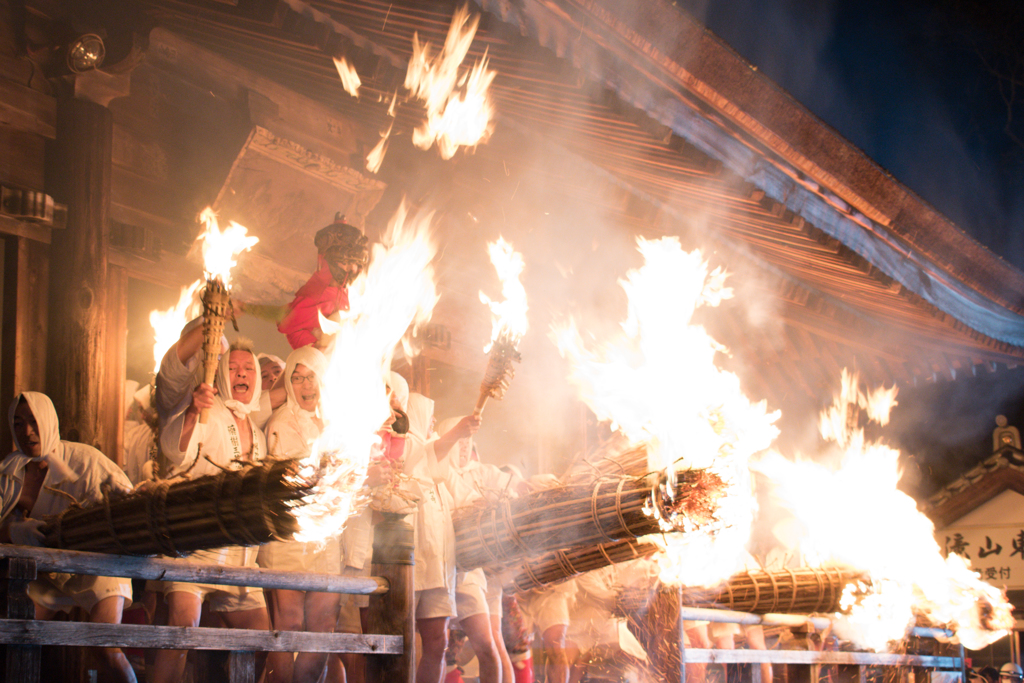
(189, 343)
(465, 427)
(202, 398)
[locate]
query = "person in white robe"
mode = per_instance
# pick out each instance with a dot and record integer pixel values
(228, 440)
(291, 434)
(434, 539)
(477, 597)
(41, 479)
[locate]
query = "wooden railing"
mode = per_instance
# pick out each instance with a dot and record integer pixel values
(854, 665)
(390, 613)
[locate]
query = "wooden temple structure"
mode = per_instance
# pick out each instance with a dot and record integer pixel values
(613, 120)
(608, 125)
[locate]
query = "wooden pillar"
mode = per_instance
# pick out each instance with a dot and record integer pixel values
(112, 428)
(26, 292)
(21, 662)
(80, 172)
(419, 379)
(391, 613)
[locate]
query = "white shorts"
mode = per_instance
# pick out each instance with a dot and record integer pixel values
(433, 603)
(62, 592)
(546, 608)
(293, 556)
(221, 598)
(470, 600)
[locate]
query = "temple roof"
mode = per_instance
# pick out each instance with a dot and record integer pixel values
(654, 120)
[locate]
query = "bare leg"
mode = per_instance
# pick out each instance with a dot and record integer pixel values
(321, 617)
(287, 611)
(507, 674)
(256, 619)
(755, 641)
(434, 634)
(350, 620)
(698, 637)
(478, 629)
(108, 611)
(183, 609)
(557, 664)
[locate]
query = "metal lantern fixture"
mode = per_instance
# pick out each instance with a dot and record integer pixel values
(85, 53)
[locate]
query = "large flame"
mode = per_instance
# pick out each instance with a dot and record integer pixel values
(167, 324)
(659, 385)
(396, 291)
(855, 515)
(221, 248)
(508, 317)
(459, 110)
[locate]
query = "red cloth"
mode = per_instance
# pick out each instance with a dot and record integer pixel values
(392, 445)
(454, 676)
(320, 294)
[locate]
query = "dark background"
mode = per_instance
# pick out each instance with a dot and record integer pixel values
(933, 91)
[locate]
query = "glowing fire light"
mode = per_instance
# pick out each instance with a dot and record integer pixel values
(167, 324)
(659, 385)
(349, 78)
(376, 156)
(221, 248)
(396, 291)
(459, 110)
(855, 515)
(508, 317)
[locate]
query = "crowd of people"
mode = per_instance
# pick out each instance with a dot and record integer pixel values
(260, 406)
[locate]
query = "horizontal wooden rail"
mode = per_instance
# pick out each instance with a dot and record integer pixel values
(167, 569)
(699, 656)
(31, 632)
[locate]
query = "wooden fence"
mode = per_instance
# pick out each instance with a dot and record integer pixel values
(390, 641)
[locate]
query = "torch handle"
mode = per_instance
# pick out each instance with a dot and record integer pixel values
(480, 403)
(209, 377)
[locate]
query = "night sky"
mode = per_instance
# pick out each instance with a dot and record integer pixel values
(933, 91)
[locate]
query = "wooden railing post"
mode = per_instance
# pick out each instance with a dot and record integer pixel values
(391, 613)
(21, 662)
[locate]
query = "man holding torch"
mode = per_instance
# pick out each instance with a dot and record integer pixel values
(195, 448)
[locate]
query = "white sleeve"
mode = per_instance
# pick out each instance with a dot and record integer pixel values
(174, 384)
(170, 439)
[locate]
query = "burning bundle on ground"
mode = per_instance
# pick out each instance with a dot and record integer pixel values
(609, 510)
(249, 506)
(562, 565)
(806, 590)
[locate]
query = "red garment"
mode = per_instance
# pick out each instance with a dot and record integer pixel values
(454, 676)
(319, 294)
(392, 445)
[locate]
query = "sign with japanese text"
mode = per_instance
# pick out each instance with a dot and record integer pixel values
(992, 538)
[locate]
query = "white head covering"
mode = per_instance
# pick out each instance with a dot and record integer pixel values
(421, 410)
(265, 358)
(224, 386)
(400, 388)
(46, 421)
(313, 359)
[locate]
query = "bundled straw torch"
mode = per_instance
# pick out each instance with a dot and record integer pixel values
(509, 324)
(219, 252)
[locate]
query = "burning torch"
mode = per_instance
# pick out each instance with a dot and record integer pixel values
(509, 324)
(219, 251)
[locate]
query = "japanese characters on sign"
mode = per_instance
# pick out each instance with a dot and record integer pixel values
(996, 553)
